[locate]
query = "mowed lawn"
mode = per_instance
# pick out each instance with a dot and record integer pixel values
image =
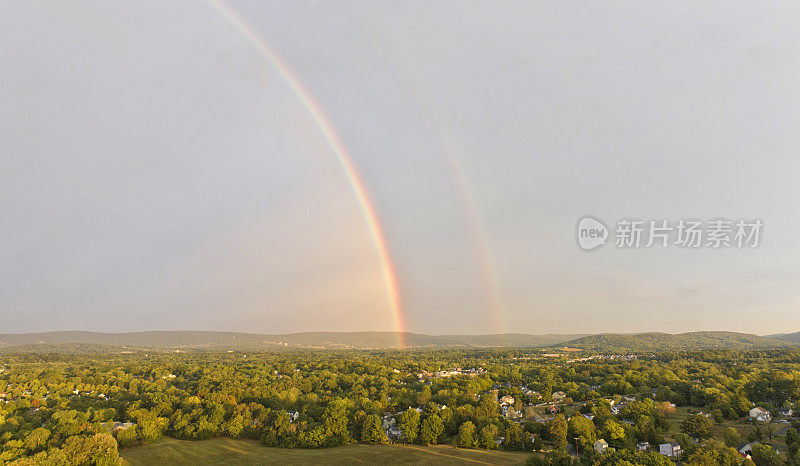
(244, 452)
(717, 430)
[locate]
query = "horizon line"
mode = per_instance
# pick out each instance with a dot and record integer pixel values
(396, 332)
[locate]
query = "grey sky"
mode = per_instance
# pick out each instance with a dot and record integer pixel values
(156, 171)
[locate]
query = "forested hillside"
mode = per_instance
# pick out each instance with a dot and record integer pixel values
(657, 342)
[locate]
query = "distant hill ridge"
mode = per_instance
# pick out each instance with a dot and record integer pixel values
(644, 342)
(790, 337)
(218, 341)
(253, 341)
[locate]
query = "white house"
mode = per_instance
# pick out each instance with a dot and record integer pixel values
(643, 446)
(507, 400)
(670, 449)
(559, 396)
(760, 414)
(600, 445)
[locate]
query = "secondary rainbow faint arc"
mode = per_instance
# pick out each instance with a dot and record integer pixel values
(339, 150)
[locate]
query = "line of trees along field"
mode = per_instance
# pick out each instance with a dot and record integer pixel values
(81, 409)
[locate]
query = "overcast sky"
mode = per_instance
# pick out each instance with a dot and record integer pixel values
(158, 172)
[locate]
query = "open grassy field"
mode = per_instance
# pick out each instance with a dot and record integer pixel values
(245, 452)
(718, 430)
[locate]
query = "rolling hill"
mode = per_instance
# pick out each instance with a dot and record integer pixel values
(211, 341)
(652, 342)
(72, 342)
(789, 337)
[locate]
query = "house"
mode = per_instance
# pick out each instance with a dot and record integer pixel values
(760, 414)
(589, 416)
(507, 400)
(388, 421)
(788, 412)
(628, 398)
(118, 426)
(746, 449)
(643, 446)
(531, 393)
(394, 433)
(499, 440)
(512, 414)
(293, 415)
(559, 396)
(600, 445)
(670, 449)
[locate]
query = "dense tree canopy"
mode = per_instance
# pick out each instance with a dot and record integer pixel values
(82, 408)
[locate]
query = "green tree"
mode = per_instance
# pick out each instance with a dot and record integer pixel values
(335, 425)
(613, 430)
(234, 426)
(487, 406)
(409, 425)
(765, 455)
(732, 437)
(514, 437)
(756, 435)
(486, 437)
(37, 439)
(466, 435)
(551, 458)
(792, 437)
(104, 450)
(430, 430)
(713, 452)
(372, 430)
(582, 429)
(631, 458)
(127, 437)
(686, 442)
(697, 425)
(557, 429)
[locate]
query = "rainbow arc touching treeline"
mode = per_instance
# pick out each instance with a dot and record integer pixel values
(353, 177)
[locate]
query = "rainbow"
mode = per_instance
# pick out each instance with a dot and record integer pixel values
(339, 150)
(477, 232)
(478, 235)
(485, 255)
